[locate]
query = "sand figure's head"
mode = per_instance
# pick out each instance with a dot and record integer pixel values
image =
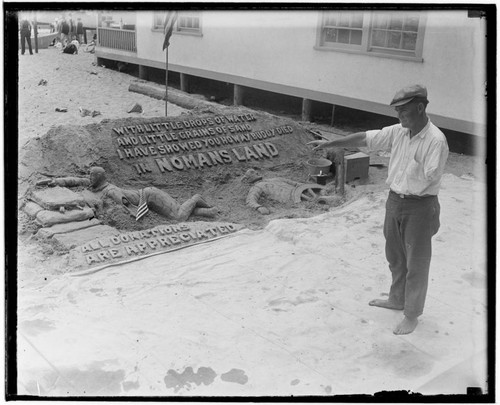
(97, 176)
(251, 176)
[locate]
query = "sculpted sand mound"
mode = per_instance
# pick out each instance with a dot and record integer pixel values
(197, 153)
(162, 149)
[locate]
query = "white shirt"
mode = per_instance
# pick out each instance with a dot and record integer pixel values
(417, 164)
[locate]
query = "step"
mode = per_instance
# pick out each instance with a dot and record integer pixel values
(67, 227)
(82, 236)
(54, 197)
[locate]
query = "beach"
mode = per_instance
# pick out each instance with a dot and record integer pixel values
(276, 309)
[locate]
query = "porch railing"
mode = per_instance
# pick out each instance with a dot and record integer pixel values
(113, 38)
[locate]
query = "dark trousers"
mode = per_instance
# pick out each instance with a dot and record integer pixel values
(26, 36)
(408, 229)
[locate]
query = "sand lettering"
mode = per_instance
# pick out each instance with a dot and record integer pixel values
(149, 241)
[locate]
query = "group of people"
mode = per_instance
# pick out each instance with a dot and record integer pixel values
(69, 34)
(68, 30)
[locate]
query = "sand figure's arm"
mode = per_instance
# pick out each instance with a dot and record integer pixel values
(65, 182)
(253, 199)
(277, 180)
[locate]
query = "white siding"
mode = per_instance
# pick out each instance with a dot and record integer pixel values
(278, 47)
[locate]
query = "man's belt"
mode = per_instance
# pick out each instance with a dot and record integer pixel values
(411, 196)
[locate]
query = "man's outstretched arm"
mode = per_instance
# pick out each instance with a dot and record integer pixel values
(358, 139)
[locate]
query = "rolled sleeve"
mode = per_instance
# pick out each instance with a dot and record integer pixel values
(436, 160)
(380, 139)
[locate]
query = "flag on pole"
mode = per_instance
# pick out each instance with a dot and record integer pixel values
(170, 20)
(142, 208)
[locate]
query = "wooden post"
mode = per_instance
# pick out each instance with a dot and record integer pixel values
(306, 109)
(143, 72)
(239, 93)
(337, 156)
(166, 82)
(184, 83)
(341, 172)
(35, 29)
(333, 115)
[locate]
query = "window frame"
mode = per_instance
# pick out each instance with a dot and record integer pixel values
(197, 32)
(366, 48)
(340, 45)
(154, 27)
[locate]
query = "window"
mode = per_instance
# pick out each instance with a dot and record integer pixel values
(189, 22)
(158, 21)
(394, 31)
(343, 28)
(379, 33)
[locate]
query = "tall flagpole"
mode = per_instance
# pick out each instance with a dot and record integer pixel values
(170, 19)
(166, 83)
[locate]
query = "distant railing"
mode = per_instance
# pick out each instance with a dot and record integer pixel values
(113, 38)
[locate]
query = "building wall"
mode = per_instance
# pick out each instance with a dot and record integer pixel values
(276, 49)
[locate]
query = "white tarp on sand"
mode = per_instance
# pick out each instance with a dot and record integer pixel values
(281, 311)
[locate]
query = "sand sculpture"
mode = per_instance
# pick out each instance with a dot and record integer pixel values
(137, 202)
(278, 189)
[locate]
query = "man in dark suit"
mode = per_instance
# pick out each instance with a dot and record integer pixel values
(25, 28)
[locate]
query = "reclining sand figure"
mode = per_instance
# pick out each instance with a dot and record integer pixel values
(157, 200)
(278, 189)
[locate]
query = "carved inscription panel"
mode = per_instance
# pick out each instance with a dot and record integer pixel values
(127, 246)
(196, 143)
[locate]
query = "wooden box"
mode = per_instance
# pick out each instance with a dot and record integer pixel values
(356, 166)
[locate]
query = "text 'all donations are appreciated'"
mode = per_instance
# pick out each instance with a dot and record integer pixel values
(136, 244)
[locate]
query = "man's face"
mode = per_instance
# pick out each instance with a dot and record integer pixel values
(408, 114)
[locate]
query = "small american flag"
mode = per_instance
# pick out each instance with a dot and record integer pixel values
(170, 20)
(142, 208)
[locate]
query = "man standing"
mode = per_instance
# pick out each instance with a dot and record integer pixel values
(65, 32)
(79, 30)
(72, 28)
(418, 155)
(25, 28)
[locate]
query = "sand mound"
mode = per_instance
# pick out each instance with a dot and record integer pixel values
(197, 153)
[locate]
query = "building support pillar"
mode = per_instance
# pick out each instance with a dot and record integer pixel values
(184, 82)
(333, 115)
(306, 109)
(239, 93)
(143, 72)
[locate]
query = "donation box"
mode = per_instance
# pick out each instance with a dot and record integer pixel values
(356, 166)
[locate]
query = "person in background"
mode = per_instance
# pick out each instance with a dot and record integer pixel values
(90, 47)
(71, 48)
(72, 27)
(79, 30)
(64, 32)
(58, 29)
(419, 151)
(25, 29)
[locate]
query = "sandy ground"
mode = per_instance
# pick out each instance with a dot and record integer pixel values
(71, 84)
(275, 311)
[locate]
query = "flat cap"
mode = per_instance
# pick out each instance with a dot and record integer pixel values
(407, 94)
